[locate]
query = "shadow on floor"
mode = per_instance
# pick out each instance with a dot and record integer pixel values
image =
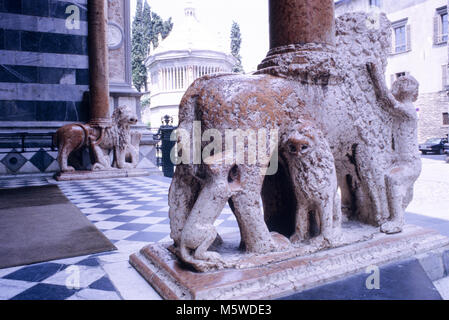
(405, 280)
(440, 225)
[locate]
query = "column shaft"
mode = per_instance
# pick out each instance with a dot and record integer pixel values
(98, 64)
(301, 22)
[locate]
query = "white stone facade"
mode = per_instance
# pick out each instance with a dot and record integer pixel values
(188, 53)
(419, 48)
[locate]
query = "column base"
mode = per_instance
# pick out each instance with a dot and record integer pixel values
(306, 63)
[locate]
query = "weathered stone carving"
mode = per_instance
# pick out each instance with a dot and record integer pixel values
(117, 138)
(332, 99)
(311, 165)
(405, 165)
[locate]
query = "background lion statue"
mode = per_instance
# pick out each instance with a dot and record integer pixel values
(101, 142)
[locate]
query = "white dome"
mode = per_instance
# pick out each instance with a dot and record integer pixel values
(190, 51)
(189, 34)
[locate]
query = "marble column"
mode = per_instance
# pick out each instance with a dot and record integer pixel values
(301, 22)
(98, 64)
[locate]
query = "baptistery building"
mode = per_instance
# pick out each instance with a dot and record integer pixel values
(189, 52)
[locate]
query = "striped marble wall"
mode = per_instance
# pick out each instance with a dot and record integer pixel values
(43, 60)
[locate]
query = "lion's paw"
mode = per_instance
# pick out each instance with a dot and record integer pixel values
(69, 169)
(297, 238)
(209, 256)
(128, 165)
(333, 237)
(391, 227)
(97, 166)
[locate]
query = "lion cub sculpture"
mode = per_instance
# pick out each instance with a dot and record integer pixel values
(117, 138)
(311, 165)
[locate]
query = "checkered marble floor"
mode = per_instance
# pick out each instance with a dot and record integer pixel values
(131, 212)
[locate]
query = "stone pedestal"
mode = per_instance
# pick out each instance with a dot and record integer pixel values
(280, 274)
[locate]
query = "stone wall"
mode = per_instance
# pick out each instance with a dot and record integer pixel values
(431, 108)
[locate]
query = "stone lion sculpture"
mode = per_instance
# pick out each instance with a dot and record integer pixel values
(329, 87)
(101, 142)
(199, 232)
(311, 166)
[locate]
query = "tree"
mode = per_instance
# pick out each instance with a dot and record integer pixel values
(137, 48)
(236, 41)
(161, 27)
(147, 26)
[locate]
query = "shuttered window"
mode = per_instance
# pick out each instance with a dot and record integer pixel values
(374, 3)
(400, 39)
(440, 26)
(445, 119)
(444, 73)
(444, 27)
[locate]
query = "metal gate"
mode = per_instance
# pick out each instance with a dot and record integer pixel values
(165, 146)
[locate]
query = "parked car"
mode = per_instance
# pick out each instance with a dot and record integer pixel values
(435, 145)
(446, 148)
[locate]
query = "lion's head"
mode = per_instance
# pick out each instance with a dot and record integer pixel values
(309, 157)
(123, 116)
(300, 139)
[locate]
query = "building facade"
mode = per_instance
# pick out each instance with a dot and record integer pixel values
(419, 48)
(188, 53)
(44, 77)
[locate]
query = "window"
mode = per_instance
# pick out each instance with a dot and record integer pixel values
(444, 73)
(399, 39)
(401, 36)
(440, 26)
(374, 3)
(445, 119)
(444, 27)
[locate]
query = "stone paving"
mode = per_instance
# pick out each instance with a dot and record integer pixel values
(432, 188)
(430, 205)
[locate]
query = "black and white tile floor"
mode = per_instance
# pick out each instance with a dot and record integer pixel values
(131, 213)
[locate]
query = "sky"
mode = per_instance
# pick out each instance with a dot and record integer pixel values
(217, 16)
